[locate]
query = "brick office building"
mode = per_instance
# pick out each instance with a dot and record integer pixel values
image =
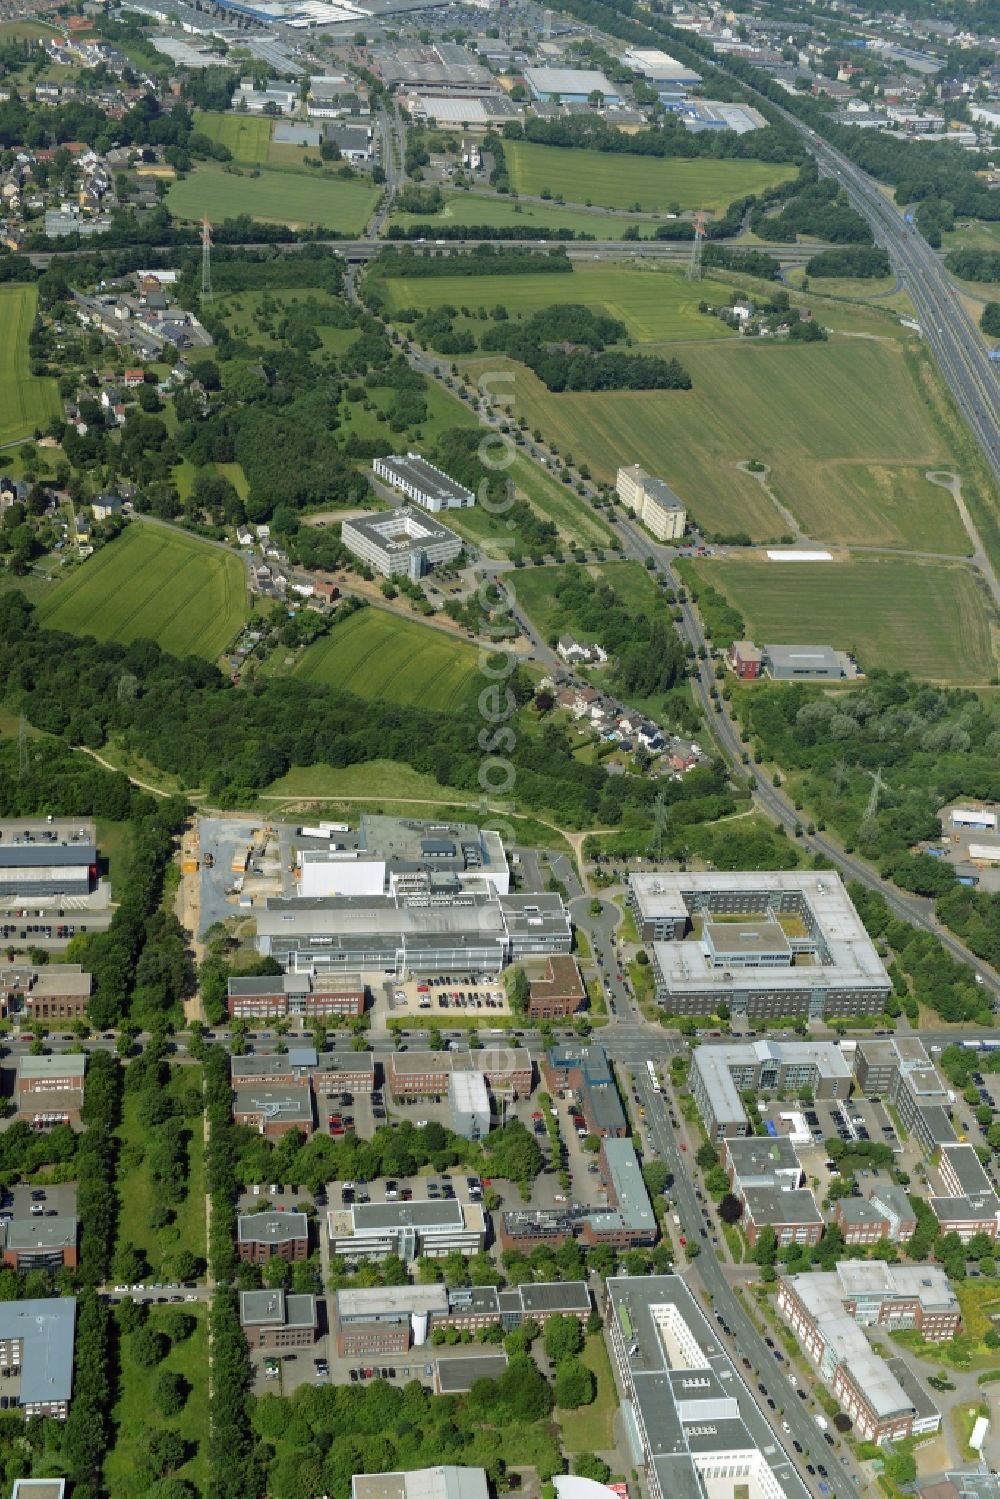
(424, 1074)
(560, 993)
(49, 1089)
(276, 1319)
(261, 1237)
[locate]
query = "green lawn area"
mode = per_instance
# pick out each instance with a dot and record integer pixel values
(557, 502)
(534, 588)
(135, 1413)
(612, 180)
(656, 305)
(973, 234)
(26, 401)
(471, 209)
(25, 31)
(378, 654)
(247, 136)
(590, 1428)
(137, 1193)
(926, 617)
(158, 584)
(444, 411)
(113, 844)
(242, 314)
(281, 197)
(805, 410)
(389, 779)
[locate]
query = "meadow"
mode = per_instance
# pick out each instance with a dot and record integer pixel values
(656, 305)
(281, 197)
(929, 618)
(156, 584)
(378, 654)
(247, 136)
(500, 211)
(804, 410)
(534, 589)
(26, 401)
(135, 1412)
(636, 182)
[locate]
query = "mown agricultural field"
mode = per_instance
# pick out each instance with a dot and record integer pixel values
(376, 654)
(647, 183)
(846, 466)
(499, 212)
(926, 617)
(155, 584)
(26, 401)
(280, 197)
(247, 136)
(656, 305)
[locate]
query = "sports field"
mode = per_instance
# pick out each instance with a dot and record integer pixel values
(247, 136)
(156, 584)
(926, 617)
(656, 305)
(499, 212)
(26, 401)
(629, 182)
(376, 654)
(293, 198)
(805, 410)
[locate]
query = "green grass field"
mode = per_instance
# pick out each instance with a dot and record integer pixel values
(500, 211)
(136, 1413)
(372, 778)
(926, 617)
(247, 136)
(157, 584)
(648, 183)
(534, 589)
(26, 401)
(137, 1189)
(656, 305)
(289, 197)
(591, 1427)
(805, 410)
(25, 31)
(376, 654)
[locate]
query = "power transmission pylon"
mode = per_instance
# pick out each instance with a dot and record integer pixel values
(694, 264)
(206, 260)
(869, 823)
(661, 826)
(23, 762)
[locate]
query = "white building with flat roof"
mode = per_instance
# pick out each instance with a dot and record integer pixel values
(400, 541)
(423, 482)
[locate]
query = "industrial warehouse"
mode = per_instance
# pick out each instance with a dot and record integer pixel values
(763, 944)
(47, 857)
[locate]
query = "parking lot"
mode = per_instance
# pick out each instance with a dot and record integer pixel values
(37, 1202)
(463, 994)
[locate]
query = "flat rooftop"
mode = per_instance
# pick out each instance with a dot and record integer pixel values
(456, 1375)
(423, 1483)
(363, 1304)
(406, 529)
(47, 1329)
(628, 1186)
(271, 1228)
(276, 1105)
(714, 1064)
(803, 658)
(411, 468)
(754, 935)
(276, 1309)
(39, 1234)
(57, 1065)
(490, 1060)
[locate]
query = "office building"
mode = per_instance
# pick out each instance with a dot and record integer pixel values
(899, 1069)
(584, 1070)
(428, 486)
(798, 946)
(372, 1230)
(886, 1213)
(422, 1483)
(261, 1237)
(469, 1103)
(273, 1111)
(454, 931)
(59, 991)
(721, 1071)
(403, 542)
(394, 1319)
(40, 1243)
(698, 1426)
(36, 1355)
(793, 1215)
(766, 1177)
(811, 663)
(507, 1070)
(281, 1069)
(653, 502)
(40, 857)
(278, 1319)
(330, 997)
(628, 1221)
(827, 1311)
(966, 1204)
(560, 993)
(49, 1089)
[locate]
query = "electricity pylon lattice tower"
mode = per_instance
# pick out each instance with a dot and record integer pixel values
(206, 260)
(694, 264)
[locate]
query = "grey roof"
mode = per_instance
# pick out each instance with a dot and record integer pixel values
(458, 1374)
(24, 1234)
(366, 1303)
(374, 1217)
(967, 1167)
(555, 1296)
(276, 1309)
(629, 1188)
(55, 1065)
(772, 1205)
(406, 529)
(272, 983)
(937, 1125)
(248, 1069)
(423, 1483)
(275, 1104)
(411, 468)
(570, 81)
(47, 1330)
(803, 658)
(759, 1160)
(713, 1063)
(271, 1227)
(39, 1488)
(918, 1397)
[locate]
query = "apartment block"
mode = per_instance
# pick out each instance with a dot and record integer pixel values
(653, 502)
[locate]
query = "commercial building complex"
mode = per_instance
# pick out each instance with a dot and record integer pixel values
(570, 85)
(584, 1070)
(694, 1418)
(456, 931)
(315, 997)
(261, 1237)
(428, 486)
(659, 67)
(721, 1072)
(653, 502)
(58, 991)
(405, 541)
(967, 1203)
(40, 1243)
(36, 1354)
(333, 1072)
(422, 1483)
(49, 1089)
(39, 857)
(763, 944)
(400, 854)
(372, 1230)
(394, 1319)
(278, 1319)
(507, 1070)
(790, 663)
(899, 1069)
(827, 1311)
